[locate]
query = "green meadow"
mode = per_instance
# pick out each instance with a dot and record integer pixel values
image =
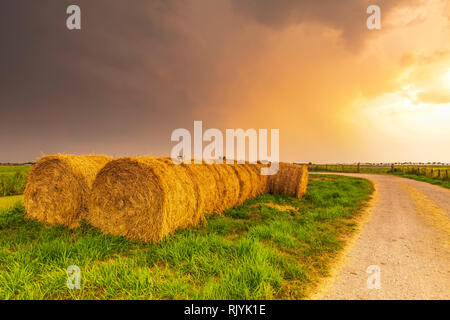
(7, 202)
(438, 182)
(13, 169)
(434, 174)
(271, 247)
(13, 179)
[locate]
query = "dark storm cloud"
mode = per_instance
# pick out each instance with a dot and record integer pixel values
(137, 69)
(119, 77)
(348, 16)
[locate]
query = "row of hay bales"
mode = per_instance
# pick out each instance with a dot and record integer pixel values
(146, 198)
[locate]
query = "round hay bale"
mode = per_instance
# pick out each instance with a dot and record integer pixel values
(220, 187)
(253, 181)
(143, 198)
(194, 179)
(191, 186)
(245, 182)
(261, 180)
(205, 182)
(227, 185)
(58, 186)
(290, 180)
(303, 181)
(278, 183)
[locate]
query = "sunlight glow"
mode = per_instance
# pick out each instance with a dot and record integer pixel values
(446, 78)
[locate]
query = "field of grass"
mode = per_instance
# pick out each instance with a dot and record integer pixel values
(439, 182)
(6, 202)
(13, 169)
(271, 247)
(435, 174)
(13, 179)
(349, 168)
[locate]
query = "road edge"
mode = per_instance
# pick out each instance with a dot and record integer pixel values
(326, 283)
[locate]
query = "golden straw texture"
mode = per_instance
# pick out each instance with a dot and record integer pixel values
(58, 186)
(149, 198)
(143, 198)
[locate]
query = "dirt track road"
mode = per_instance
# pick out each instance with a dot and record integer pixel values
(406, 236)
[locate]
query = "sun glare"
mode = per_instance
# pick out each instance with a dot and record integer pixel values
(446, 78)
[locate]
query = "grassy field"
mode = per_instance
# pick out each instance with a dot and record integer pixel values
(439, 182)
(427, 170)
(13, 179)
(6, 202)
(272, 247)
(11, 170)
(349, 168)
(438, 175)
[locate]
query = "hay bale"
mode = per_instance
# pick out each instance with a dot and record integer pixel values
(143, 198)
(261, 184)
(254, 181)
(227, 185)
(205, 184)
(220, 187)
(149, 198)
(290, 180)
(58, 186)
(303, 181)
(278, 183)
(245, 182)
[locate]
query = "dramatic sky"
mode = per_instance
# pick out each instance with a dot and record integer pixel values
(139, 69)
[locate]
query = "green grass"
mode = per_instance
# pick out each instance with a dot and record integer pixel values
(438, 175)
(271, 247)
(6, 202)
(13, 179)
(442, 183)
(11, 170)
(428, 170)
(350, 168)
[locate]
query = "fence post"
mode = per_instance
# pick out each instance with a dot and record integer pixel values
(358, 168)
(439, 173)
(446, 174)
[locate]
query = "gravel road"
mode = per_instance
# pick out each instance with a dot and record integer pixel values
(405, 236)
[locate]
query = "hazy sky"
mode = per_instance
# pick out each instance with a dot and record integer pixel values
(137, 70)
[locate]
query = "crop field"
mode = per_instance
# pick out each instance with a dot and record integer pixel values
(269, 247)
(13, 179)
